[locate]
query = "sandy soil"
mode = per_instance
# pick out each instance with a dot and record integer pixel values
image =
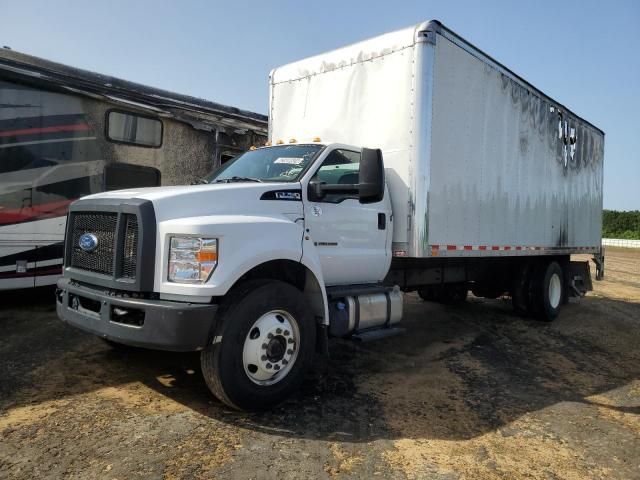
(471, 392)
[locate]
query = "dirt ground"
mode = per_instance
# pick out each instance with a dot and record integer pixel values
(470, 392)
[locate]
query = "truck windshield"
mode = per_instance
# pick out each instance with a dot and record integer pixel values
(284, 163)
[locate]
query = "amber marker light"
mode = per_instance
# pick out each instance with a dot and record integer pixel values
(204, 256)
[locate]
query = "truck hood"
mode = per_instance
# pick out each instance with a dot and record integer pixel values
(216, 199)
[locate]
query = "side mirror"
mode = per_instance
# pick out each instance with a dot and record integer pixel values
(315, 191)
(371, 176)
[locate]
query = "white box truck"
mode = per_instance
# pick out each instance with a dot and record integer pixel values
(409, 162)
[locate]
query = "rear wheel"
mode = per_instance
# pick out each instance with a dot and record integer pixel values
(547, 291)
(520, 289)
(263, 345)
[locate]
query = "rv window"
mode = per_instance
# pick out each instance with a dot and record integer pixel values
(118, 176)
(134, 129)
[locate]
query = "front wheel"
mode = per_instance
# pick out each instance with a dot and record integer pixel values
(263, 345)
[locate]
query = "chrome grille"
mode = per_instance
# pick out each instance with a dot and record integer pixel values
(103, 226)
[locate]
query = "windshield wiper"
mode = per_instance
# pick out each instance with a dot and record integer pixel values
(239, 179)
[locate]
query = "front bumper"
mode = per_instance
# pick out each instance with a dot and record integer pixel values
(157, 324)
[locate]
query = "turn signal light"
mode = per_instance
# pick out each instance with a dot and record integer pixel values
(203, 256)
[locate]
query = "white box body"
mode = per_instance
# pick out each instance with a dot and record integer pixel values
(478, 161)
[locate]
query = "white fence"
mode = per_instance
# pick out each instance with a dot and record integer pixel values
(620, 242)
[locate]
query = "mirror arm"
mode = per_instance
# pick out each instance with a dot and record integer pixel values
(342, 187)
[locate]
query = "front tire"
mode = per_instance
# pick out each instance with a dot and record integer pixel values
(262, 347)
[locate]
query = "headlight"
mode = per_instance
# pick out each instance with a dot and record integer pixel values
(192, 259)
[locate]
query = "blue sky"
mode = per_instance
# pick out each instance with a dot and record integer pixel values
(585, 54)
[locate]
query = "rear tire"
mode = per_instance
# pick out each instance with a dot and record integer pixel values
(520, 290)
(267, 343)
(547, 291)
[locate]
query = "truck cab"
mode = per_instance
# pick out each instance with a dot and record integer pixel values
(244, 268)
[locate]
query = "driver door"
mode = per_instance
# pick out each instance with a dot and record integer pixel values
(350, 237)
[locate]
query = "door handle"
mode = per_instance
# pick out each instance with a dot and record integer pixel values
(382, 221)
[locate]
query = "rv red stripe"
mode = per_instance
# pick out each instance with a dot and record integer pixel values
(49, 270)
(79, 127)
(44, 210)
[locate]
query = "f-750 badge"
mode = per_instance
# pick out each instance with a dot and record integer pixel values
(288, 195)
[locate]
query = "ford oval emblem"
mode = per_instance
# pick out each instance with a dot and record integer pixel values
(88, 242)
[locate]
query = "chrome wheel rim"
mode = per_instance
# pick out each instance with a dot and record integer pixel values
(271, 347)
(555, 290)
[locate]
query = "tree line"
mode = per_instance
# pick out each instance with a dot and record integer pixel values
(617, 224)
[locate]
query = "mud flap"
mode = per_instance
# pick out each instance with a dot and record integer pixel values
(578, 279)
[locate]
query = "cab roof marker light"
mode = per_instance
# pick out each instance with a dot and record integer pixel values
(316, 139)
(292, 140)
(252, 147)
(268, 144)
(279, 142)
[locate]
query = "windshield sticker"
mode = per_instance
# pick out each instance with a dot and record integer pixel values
(289, 160)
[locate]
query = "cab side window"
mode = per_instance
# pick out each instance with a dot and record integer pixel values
(339, 168)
